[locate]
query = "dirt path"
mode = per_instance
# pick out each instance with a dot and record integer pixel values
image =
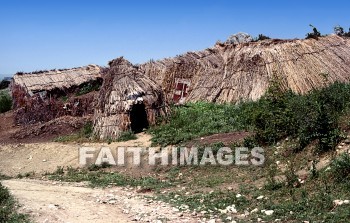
(48, 201)
(40, 158)
(66, 203)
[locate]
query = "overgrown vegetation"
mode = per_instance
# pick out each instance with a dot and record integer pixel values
(89, 87)
(103, 179)
(311, 118)
(340, 168)
(5, 101)
(8, 208)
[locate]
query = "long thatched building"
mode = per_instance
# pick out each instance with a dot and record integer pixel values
(235, 71)
(128, 101)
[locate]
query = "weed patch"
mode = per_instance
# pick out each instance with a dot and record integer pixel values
(8, 208)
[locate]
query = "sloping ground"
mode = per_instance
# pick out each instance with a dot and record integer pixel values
(230, 73)
(10, 133)
(48, 131)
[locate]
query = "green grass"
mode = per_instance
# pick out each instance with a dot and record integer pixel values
(8, 208)
(104, 179)
(88, 88)
(278, 114)
(126, 136)
(204, 189)
(200, 119)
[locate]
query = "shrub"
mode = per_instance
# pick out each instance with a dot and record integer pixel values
(261, 37)
(340, 31)
(315, 33)
(340, 168)
(4, 84)
(5, 102)
(305, 117)
(278, 114)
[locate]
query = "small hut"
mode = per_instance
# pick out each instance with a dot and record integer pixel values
(41, 96)
(127, 101)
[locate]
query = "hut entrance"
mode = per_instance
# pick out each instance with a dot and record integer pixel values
(138, 118)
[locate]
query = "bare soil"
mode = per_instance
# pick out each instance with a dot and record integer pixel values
(48, 201)
(225, 138)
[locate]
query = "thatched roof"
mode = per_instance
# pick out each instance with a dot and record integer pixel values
(230, 73)
(124, 86)
(49, 80)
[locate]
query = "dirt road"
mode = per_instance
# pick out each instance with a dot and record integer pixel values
(62, 203)
(39, 158)
(48, 201)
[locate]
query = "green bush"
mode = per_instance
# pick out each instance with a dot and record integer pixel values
(5, 101)
(261, 37)
(308, 118)
(88, 88)
(87, 130)
(126, 136)
(4, 84)
(340, 168)
(278, 114)
(315, 33)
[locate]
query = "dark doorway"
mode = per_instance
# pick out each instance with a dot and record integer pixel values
(138, 118)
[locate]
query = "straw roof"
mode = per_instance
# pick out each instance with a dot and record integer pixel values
(234, 72)
(49, 80)
(124, 86)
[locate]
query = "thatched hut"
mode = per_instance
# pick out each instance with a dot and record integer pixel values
(236, 70)
(128, 101)
(41, 96)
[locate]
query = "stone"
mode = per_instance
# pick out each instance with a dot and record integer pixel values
(239, 38)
